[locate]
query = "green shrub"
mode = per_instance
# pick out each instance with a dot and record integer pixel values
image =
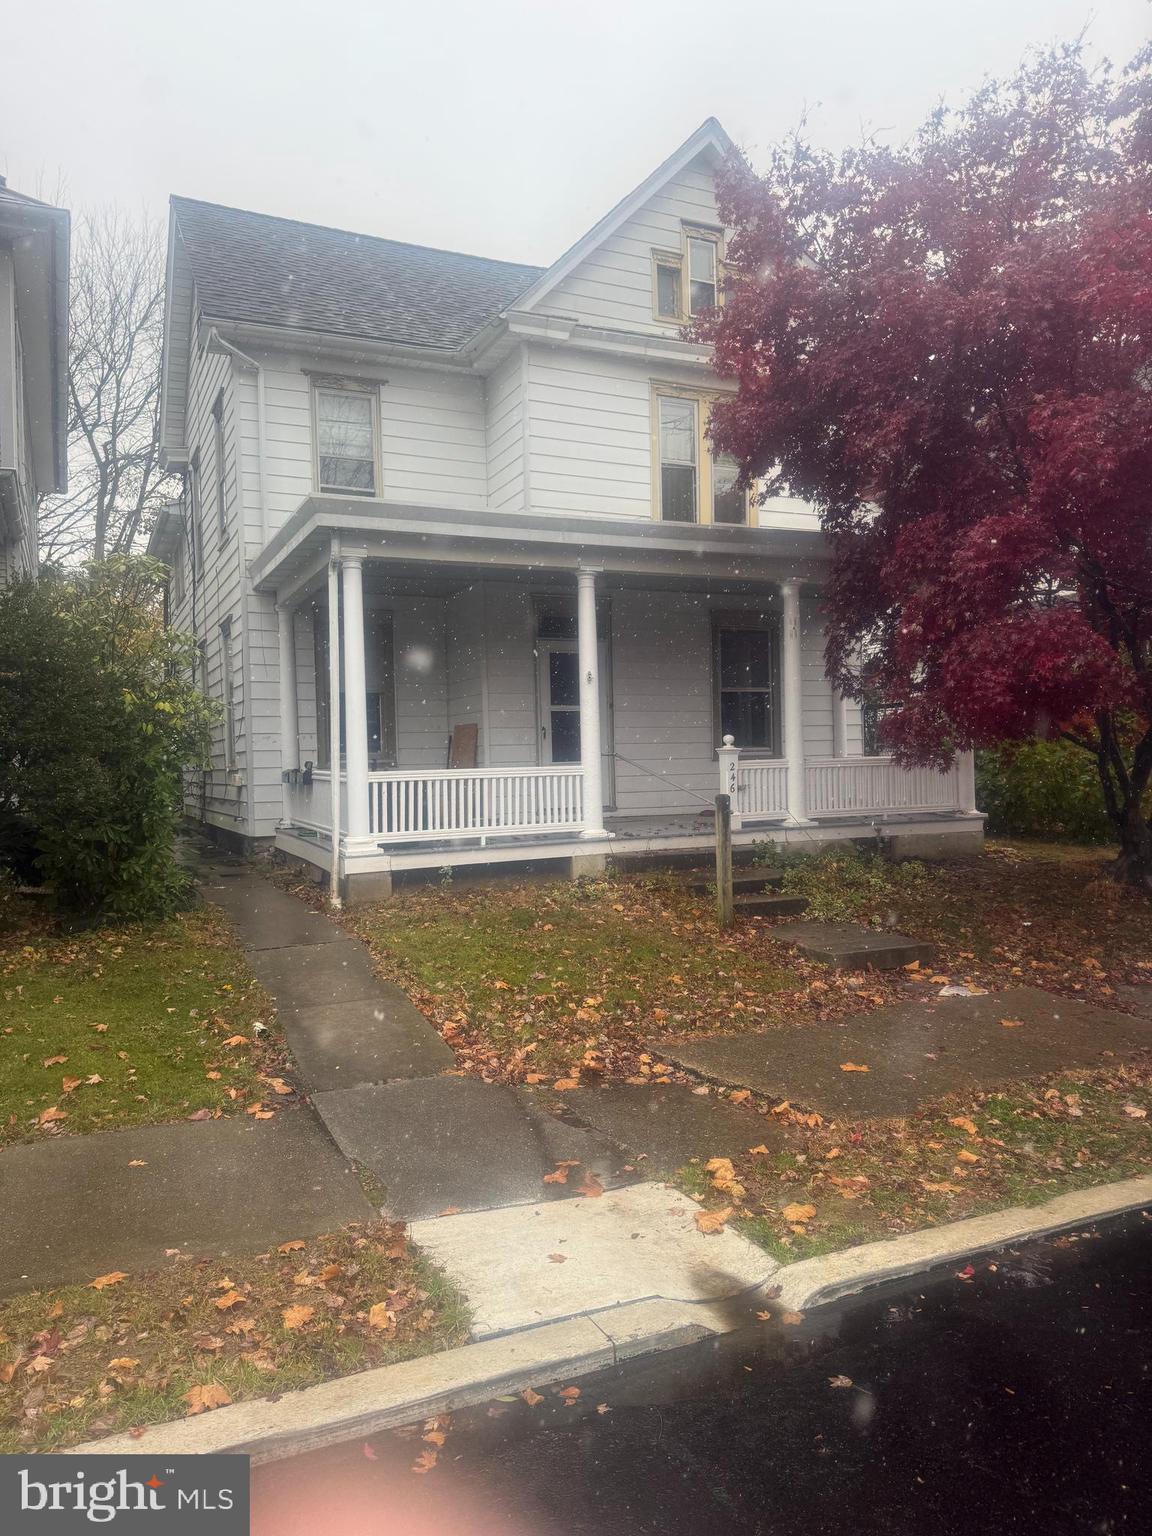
(1042, 789)
(846, 885)
(98, 717)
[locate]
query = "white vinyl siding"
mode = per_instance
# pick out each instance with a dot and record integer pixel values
(613, 285)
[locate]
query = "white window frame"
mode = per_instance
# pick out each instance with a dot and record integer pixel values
(705, 497)
(682, 258)
(228, 694)
(371, 392)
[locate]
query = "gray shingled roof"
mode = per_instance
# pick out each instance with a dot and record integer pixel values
(251, 266)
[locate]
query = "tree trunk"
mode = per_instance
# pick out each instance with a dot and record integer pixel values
(1133, 866)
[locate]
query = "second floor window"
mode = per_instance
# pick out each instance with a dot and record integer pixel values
(345, 441)
(679, 434)
(694, 485)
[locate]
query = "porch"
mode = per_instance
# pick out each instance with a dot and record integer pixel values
(587, 701)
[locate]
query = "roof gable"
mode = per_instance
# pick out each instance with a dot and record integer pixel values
(709, 137)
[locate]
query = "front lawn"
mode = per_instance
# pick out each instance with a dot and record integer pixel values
(827, 1185)
(128, 1026)
(541, 981)
(135, 1350)
(561, 981)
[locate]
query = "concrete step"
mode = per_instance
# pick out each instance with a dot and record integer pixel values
(742, 880)
(767, 904)
(848, 947)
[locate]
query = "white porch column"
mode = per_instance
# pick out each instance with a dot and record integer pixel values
(589, 660)
(289, 718)
(355, 692)
(839, 724)
(793, 690)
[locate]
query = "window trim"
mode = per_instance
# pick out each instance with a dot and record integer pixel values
(759, 620)
(228, 697)
(682, 258)
(195, 500)
(322, 385)
(704, 400)
(219, 466)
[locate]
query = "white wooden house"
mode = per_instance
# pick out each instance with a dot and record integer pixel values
(474, 501)
(34, 241)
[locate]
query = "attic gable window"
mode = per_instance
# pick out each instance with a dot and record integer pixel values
(346, 441)
(701, 273)
(686, 282)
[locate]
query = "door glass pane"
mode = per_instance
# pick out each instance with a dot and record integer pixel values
(728, 504)
(678, 493)
(563, 678)
(668, 290)
(565, 736)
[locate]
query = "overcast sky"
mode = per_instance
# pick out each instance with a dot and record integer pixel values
(504, 127)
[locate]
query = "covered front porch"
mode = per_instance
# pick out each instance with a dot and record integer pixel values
(528, 703)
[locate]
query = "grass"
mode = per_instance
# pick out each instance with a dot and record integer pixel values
(535, 981)
(80, 1361)
(126, 1026)
(861, 1181)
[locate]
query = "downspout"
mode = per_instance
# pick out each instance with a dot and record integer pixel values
(261, 454)
(334, 712)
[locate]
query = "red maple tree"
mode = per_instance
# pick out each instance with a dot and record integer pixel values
(947, 349)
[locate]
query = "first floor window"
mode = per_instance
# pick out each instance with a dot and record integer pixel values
(747, 668)
(380, 695)
(679, 445)
(346, 437)
(871, 718)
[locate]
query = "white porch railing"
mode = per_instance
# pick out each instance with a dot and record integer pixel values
(849, 786)
(310, 805)
(762, 788)
(409, 806)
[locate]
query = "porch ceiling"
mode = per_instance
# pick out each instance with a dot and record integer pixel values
(415, 540)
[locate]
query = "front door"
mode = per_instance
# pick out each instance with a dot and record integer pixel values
(558, 686)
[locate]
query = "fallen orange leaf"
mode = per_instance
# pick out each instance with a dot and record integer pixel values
(531, 1398)
(229, 1299)
(102, 1282)
(590, 1186)
(798, 1212)
(294, 1318)
(851, 1066)
(211, 1395)
(291, 1247)
(710, 1222)
(1012, 1023)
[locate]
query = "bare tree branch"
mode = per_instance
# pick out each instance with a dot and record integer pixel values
(116, 331)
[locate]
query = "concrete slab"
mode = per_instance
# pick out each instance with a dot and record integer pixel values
(1138, 997)
(440, 1143)
(915, 1052)
(314, 976)
(369, 1040)
(630, 1245)
(74, 1207)
(848, 947)
(668, 1126)
(564, 1140)
(264, 917)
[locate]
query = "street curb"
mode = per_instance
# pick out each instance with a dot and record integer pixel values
(815, 1282)
(389, 1396)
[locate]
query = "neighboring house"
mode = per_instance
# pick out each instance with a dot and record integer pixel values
(474, 503)
(33, 370)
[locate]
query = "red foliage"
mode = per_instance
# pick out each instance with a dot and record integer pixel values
(947, 348)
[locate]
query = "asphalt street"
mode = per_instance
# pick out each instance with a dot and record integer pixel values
(1012, 1395)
